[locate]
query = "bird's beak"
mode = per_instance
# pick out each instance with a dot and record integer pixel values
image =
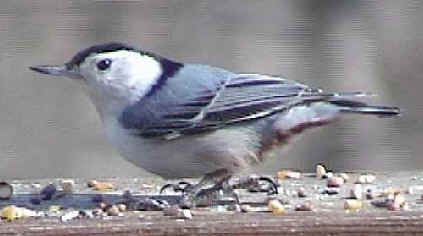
(57, 70)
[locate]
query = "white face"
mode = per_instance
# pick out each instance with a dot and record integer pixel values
(121, 75)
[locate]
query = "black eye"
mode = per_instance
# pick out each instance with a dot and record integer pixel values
(104, 64)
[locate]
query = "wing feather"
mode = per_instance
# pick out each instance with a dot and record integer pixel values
(241, 98)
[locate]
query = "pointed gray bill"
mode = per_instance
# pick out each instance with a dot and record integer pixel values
(57, 70)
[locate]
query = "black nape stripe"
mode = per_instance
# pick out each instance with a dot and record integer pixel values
(169, 69)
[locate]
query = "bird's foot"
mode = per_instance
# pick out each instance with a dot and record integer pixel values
(255, 183)
(144, 204)
(210, 196)
(182, 187)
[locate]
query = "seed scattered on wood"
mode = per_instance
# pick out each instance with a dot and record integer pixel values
(390, 191)
(102, 205)
(67, 185)
(392, 206)
(288, 174)
(320, 171)
(399, 200)
(276, 207)
(54, 208)
(171, 210)
(304, 207)
(335, 182)
(112, 210)
(393, 202)
(302, 192)
(365, 179)
(69, 216)
(352, 204)
(185, 214)
(91, 183)
(100, 185)
(121, 207)
(175, 211)
(13, 212)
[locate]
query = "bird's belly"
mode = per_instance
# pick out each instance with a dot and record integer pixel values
(191, 156)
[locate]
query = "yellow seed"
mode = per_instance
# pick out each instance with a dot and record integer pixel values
(10, 212)
(13, 212)
(352, 204)
(281, 174)
(54, 208)
(276, 207)
(103, 186)
(288, 174)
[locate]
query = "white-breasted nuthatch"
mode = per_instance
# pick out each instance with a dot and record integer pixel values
(187, 120)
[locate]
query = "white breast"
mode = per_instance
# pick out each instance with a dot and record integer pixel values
(185, 157)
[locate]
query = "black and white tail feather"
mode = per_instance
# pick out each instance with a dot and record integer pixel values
(346, 104)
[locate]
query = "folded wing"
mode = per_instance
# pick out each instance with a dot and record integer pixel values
(230, 100)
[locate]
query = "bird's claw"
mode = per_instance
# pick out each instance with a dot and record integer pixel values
(144, 204)
(254, 183)
(182, 187)
(193, 196)
(208, 197)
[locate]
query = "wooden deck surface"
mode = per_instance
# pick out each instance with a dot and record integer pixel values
(328, 218)
(303, 223)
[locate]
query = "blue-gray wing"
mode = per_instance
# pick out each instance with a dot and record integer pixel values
(195, 102)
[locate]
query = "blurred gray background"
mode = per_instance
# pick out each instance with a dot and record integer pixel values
(49, 128)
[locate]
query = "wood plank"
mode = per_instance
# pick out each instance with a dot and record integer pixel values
(328, 217)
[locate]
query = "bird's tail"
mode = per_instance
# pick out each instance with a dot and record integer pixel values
(346, 103)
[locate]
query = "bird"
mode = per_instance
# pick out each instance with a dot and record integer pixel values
(180, 120)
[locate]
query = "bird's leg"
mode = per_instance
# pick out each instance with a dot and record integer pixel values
(218, 190)
(219, 179)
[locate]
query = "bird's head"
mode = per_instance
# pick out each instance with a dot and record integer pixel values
(114, 70)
